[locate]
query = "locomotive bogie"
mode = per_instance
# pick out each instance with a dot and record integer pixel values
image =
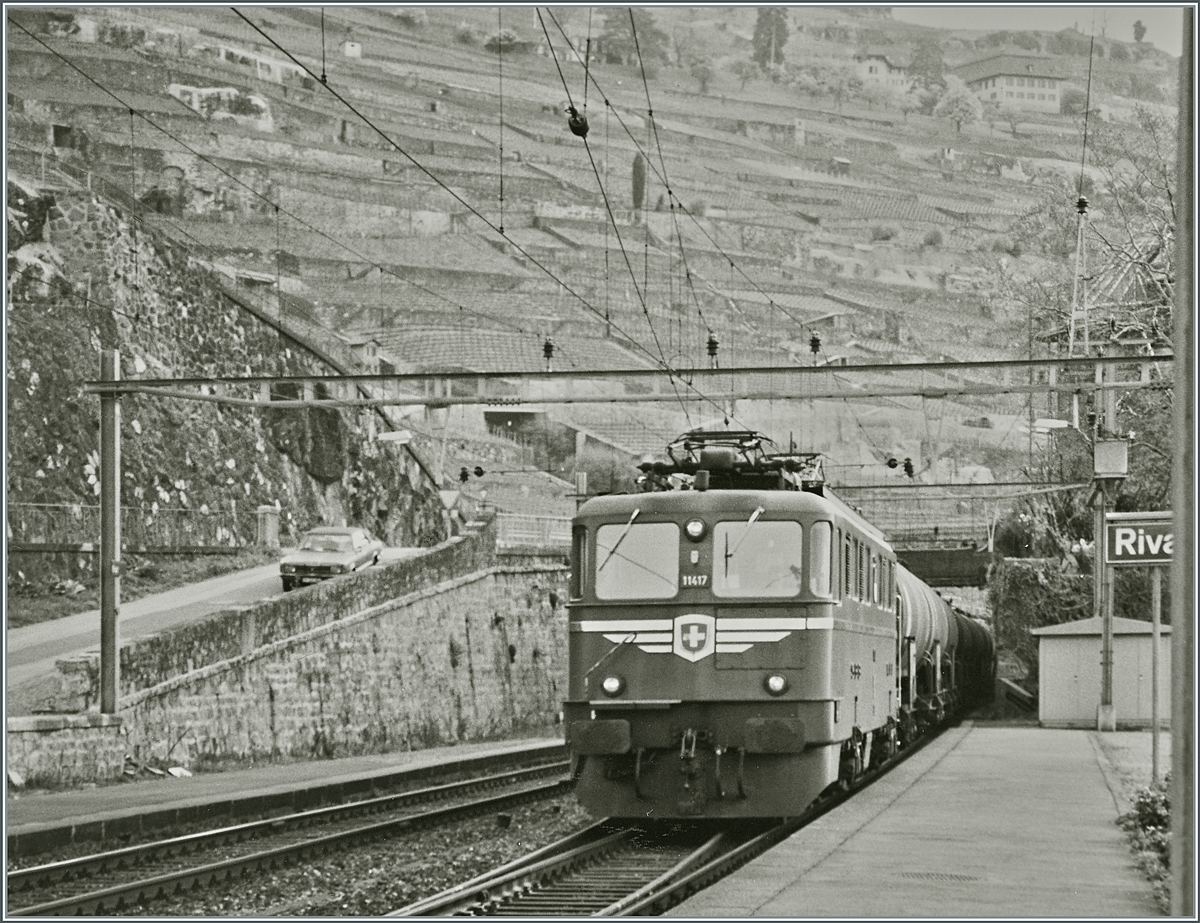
(658, 784)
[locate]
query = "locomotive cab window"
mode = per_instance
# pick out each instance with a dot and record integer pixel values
(820, 559)
(637, 560)
(754, 558)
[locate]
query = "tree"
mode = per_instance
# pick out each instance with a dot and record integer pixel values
(841, 83)
(617, 39)
(1139, 32)
(877, 94)
(1027, 40)
(911, 101)
(927, 68)
(1072, 101)
(744, 71)
(958, 104)
(639, 182)
(683, 45)
(703, 74)
(991, 113)
(770, 35)
(501, 41)
(1012, 115)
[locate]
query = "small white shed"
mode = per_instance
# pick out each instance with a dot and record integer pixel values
(1069, 674)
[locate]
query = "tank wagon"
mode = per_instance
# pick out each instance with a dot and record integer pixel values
(740, 640)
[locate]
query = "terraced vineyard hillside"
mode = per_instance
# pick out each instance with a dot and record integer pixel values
(429, 208)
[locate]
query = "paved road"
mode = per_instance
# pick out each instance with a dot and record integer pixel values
(33, 649)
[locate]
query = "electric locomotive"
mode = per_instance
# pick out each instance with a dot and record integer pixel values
(740, 640)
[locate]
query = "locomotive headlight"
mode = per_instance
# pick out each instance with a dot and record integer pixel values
(776, 684)
(613, 685)
(695, 529)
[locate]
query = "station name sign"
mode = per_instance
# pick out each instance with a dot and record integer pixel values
(1139, 538)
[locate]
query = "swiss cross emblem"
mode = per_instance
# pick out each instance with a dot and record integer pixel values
(695, 636)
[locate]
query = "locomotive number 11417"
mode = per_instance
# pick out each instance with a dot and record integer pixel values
(695, 579)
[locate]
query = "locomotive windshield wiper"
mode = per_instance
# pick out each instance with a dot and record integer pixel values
(621, 538)
(745, 530)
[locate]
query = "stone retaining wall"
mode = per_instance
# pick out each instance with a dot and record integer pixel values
(476, 657)
(65, 749)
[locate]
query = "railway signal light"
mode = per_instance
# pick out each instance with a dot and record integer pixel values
(478, 471)
(464, 475)
(892, 462)
(908, 467)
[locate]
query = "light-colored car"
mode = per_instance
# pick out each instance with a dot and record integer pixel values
(327, 552)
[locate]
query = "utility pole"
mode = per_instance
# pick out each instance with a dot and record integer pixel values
(1110, 466)
(1183, 644)
(110, 534)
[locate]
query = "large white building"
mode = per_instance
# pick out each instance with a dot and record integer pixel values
(1018, 81)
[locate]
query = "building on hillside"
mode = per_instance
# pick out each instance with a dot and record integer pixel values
(264, 66)
(884, 68)
(366, 350)
(1019, 81)
(226, 103)
(351, 48)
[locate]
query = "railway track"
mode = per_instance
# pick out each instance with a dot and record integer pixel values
(609, 870)
(106, 883)
(599, 871)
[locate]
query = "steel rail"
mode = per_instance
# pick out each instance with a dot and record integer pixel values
(112, 898)
(534, 878)
(501, 890)
(677, 890)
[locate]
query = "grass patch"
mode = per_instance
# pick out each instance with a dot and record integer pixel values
(33, 603)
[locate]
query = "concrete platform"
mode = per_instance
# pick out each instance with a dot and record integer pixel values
(39, 820)
(983, 822)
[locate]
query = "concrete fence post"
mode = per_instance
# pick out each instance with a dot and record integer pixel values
(267, 532)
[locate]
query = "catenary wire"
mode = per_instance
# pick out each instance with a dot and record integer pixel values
(532, 259)
(259, 195)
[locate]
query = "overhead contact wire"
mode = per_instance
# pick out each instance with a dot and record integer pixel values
(458, 198)
(202, 157)
(682, 208)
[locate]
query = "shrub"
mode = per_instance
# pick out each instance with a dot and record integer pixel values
(933, 238)
(502, 40)
(465, 34)
(1149, 828)
(1011, 246)
(882, 233)
(413, 17)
